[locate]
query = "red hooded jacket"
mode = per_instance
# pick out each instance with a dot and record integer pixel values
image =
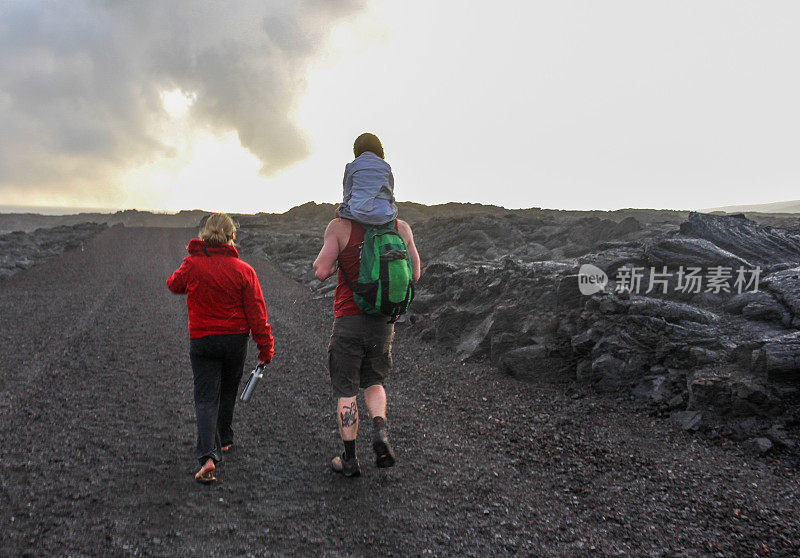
(224, 295)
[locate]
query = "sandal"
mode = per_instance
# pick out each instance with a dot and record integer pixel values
(206, 473)
(205, 478)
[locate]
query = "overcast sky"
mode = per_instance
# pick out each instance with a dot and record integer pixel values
(254, 105)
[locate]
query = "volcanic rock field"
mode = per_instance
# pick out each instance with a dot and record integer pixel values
(713, 355)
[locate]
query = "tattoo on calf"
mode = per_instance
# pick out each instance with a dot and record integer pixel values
(349, 415)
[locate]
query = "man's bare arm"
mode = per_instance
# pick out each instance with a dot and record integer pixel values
(325, 264)
(408, 236)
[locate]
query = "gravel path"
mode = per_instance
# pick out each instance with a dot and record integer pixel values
(97, 424)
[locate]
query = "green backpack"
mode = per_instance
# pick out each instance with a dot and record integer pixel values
(385, 286)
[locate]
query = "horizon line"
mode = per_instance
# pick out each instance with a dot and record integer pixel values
(56, 210)
(63, 210)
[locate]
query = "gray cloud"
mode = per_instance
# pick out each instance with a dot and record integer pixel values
(80, 81)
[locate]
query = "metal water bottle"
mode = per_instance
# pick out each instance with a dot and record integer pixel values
(255, 376)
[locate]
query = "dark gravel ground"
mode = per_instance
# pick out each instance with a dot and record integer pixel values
(98, 433)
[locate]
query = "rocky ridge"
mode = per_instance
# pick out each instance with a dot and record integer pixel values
(29, 222)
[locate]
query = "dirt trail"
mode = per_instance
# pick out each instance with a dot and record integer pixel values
(98, 429)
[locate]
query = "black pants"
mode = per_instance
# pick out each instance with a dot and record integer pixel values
(217, 364)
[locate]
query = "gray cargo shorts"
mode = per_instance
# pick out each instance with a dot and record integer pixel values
(359, 353)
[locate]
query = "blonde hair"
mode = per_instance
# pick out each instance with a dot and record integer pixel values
(219, 228)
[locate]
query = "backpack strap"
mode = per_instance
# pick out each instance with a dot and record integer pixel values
(384, 280)
(353, 223)
(346, 278)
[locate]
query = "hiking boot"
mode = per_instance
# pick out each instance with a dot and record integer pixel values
(347, 467)
(384, 456)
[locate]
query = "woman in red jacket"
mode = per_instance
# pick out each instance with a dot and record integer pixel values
(225, 304)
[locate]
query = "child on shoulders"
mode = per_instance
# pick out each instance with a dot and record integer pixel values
(368, 185)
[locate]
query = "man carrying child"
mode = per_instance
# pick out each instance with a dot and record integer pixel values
(360, 350)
